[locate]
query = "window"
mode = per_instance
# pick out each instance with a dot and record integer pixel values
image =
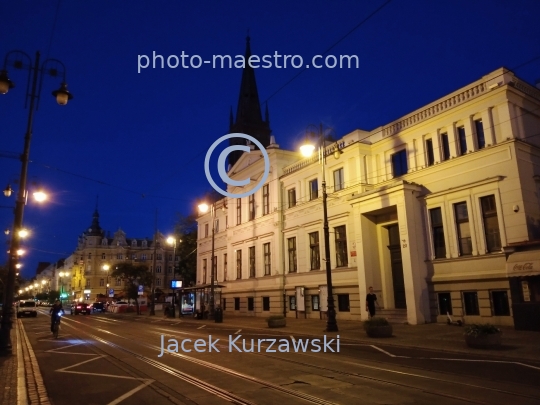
(238, 264)
(238, 211)
(267, 259)
(341, 246)
(144, 243)
(118, 282)
(169, 257)
(315, 303)
(103, 256)
(143, 256)
(225, 266)
(339, 183)
(226, 222)
(313, 189)
(158, 269)
(251, 305)
(445, 146)
(205, 230)
(291, 197)
(216, 226)
(470, 301)
(204, 262)
(314, 251)
(252, 207)
(158, 281)
(169, 270)
(292, 303)
(237, 304)
(437, 230)
(133, 257)
(480, 139)
(463, 228)
(266, 200)
(291, 242)
(101, 282)
(252, 261)
(134, 243)
(89, 256)
(87, 283)
(343, 303)
(499, 300)
(159, 256)
(224, 304)
(399, 163)
(266, 303)
(119, 256)
(445, 303)
(462, 139)
(429, 152)
(491, 223)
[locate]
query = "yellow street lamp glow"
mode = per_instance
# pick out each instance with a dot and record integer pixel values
(23, 233)
(26, 289)
(43, 282)
(106, 267)
(36, 285)
(20, 291)
(20, 252)
(307, 150)
(204, 208)
(170, 240)
(18, 265)
(40, 196)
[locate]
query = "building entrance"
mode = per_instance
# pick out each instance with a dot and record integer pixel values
(398, 280)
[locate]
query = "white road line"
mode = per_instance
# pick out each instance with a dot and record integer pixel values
(200, 327)
(389, 354)
(487, 361)
(238, 331)
(130, 393)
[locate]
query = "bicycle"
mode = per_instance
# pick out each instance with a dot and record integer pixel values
(56, 326)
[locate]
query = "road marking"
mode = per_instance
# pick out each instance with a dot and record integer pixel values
(387, 353)
(238, 331)
(176, 323)
(130, 393)
(159, 320)
(200, 327)
(486, 361)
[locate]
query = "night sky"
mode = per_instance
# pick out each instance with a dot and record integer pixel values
(138, 140)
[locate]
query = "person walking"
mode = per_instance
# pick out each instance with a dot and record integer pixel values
(371, 300)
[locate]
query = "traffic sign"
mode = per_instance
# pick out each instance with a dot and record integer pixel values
(111, 292)
(141, 289)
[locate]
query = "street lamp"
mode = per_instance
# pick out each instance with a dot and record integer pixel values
(54, 68)
(307, 150)
(106, 268)
(204, 208)
(172, 242)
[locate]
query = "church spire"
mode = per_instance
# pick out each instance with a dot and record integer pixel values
(95, 229)
(248, 113)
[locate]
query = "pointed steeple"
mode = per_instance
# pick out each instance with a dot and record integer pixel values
(248, 113)
(95, 229)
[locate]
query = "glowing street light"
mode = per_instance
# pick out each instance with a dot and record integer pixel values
(23, 233)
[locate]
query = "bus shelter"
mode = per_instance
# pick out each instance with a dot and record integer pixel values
(196, 300)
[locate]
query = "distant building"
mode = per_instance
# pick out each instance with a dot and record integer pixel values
(438, 210)
(88, 276)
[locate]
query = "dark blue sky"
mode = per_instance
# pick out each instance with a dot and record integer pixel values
(147, 134)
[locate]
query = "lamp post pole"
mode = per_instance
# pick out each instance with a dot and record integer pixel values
(106, 267)
(212, 276)
(62, 96)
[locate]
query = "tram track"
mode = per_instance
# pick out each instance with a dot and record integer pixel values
(344, 373)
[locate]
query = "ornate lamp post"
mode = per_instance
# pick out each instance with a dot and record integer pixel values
(171, 240)
(106, 268)
(54, 68)
(307, 150)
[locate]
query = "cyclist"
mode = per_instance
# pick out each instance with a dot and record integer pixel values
(55, 312)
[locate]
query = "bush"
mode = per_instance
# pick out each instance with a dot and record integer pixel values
(374, 322)
(479, 329)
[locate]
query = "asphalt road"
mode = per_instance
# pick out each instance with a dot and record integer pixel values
(100, 359)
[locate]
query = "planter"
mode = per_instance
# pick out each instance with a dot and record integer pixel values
(277, 323)
(379, 331)
(485, 341)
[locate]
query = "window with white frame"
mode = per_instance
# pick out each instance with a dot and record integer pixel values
(313, 189)
(342, 258)
(266, 199)
(291, 197)
(339, 182)
(251, 251)
(491, 223)
(399, 163)
(437, 231)
(463, 229)
(291, 244)
(267, 259)
(314, 251)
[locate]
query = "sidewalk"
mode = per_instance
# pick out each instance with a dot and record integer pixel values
(8, 373)
(516, 345)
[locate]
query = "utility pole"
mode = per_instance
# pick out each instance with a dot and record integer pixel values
(153, 288)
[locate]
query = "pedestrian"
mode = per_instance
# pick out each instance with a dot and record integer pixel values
(371, 300)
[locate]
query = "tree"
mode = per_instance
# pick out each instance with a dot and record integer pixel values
(133, 275)
(185, 229)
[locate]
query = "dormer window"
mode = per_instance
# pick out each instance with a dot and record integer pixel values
(134, 243)
(104, 242)
(144, 244)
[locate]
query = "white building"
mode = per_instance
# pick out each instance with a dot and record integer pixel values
(438, 211)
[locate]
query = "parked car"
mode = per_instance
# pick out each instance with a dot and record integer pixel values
(26, 308)
(97, 306)
(80, 308)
